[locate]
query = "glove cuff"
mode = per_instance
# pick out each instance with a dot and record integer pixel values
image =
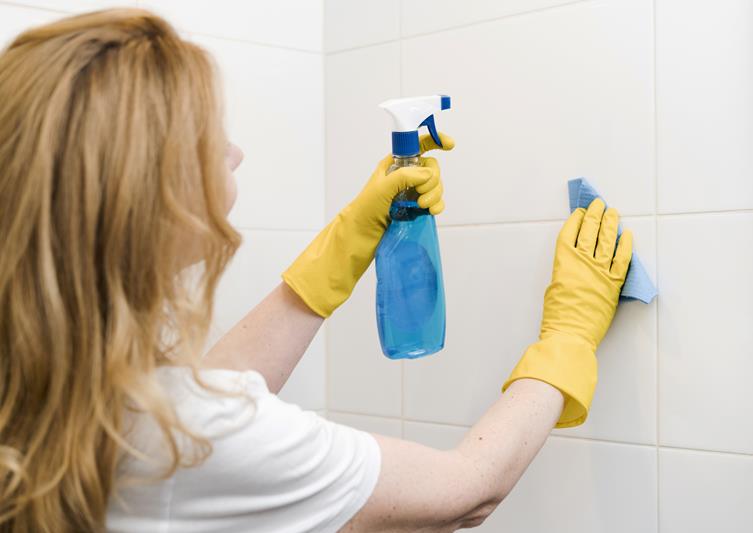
(326, 272)
(566, 363)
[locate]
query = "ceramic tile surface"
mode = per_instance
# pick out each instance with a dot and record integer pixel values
(705, 333)
(704, 108)
(288, 23)
(538, 100)
(274, 114)
(702, 492)
(353, 23)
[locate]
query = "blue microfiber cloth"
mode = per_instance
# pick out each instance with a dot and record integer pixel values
(638, 284)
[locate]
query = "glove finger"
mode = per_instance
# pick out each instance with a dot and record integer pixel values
(406, 177)
(431, 164)
(426, 143)
(569, 232)
(589, 230)
(607, 243)
(431, 197)
(429, 184)
(437, 208)
(624, 254)
(384, 165)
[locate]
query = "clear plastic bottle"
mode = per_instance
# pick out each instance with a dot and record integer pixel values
(410, 302)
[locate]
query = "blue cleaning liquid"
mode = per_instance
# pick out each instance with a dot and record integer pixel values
(410, 290)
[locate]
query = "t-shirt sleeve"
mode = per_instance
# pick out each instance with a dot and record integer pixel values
(274, 466)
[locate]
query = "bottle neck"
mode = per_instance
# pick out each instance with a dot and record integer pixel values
(408, 195)
(406, 161)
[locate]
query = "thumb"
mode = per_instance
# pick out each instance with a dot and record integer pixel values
(426, 143)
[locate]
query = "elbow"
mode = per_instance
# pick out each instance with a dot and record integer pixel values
(478, 515)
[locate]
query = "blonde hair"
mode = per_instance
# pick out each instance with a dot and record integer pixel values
(112, 180)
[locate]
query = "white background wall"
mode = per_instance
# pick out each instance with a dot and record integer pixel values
(272, 66)
(652, 100)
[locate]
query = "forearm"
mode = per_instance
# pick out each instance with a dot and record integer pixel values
(427, 490)
(502, 444)
(270, 339)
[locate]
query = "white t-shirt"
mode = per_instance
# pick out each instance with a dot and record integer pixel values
(274, 467)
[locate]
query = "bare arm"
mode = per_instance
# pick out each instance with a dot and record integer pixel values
(270, 339)
(421, 489)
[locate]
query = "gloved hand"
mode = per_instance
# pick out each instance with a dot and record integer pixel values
(326, 272)
(579, 306)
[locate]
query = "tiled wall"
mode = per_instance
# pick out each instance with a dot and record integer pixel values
(652, 100)
(272, 65)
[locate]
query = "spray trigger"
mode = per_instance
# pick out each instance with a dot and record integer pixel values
(429, 123)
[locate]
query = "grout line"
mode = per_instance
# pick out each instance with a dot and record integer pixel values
(400, 94)
(323, 40)
(654, 216)
(35, 8)
(603, 441)
(501, 17)
(361, 47)
(523, 222)
(365, 415)
(711, 212)
(554, 435)
(191, 32)
(325, 326)
(456, 27)
(656, 256)
(256, 43)
(261, 229)
(327, 395)
(703, 450)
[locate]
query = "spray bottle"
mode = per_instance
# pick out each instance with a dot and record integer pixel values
(410, 304)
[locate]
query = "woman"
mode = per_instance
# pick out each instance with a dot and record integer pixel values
(115, 182)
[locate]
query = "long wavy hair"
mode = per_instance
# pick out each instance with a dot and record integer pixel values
(112, 182)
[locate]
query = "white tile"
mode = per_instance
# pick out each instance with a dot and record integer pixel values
(624, 405)
(704, 106)
(701, 492)
(495, 278)
(359, 378)
(253, 273)
(539, 99)
(291, 23)
(612, 487)
(14, 20)
(351, 23)
(423, 16)
(274, 109)
(434, 435)
(389, 427)
(358, 132)
(705, 333)
(576, 486)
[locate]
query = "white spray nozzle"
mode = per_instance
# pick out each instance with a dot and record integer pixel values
(409, 114)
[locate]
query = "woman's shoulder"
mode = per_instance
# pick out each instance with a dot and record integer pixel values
(208, 382)
(214, 401)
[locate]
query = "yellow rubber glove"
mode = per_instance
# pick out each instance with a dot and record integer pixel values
(579, 306)
(326, 272)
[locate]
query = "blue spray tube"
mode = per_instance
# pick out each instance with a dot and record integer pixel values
(410, 304)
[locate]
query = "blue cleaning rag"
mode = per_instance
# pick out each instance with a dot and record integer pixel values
(638, 284)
